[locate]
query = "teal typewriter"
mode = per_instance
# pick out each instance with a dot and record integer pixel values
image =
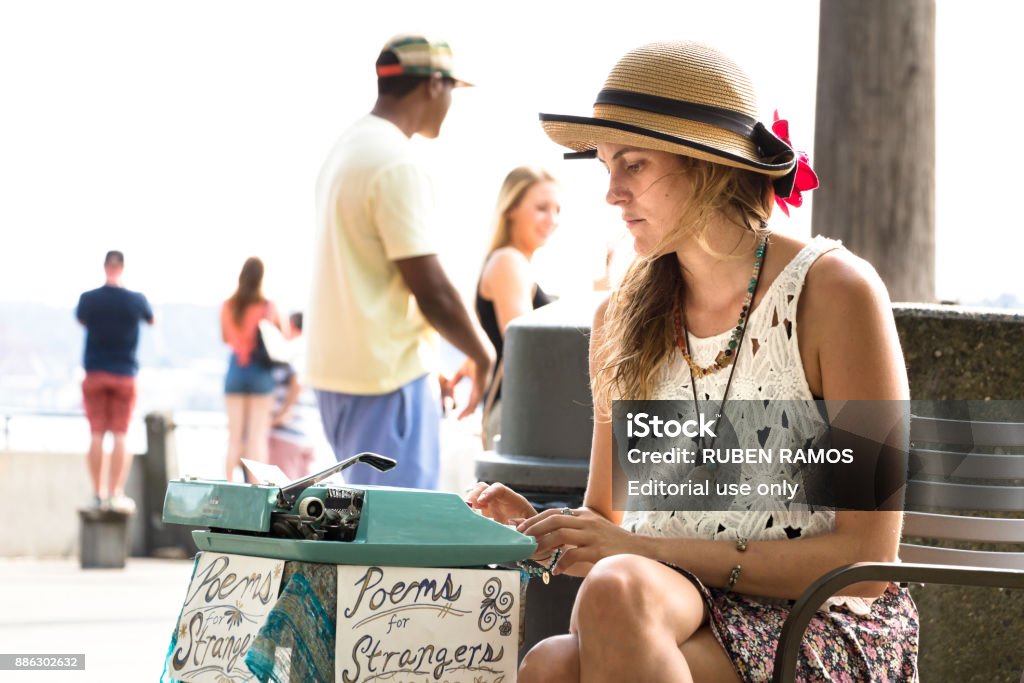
(315, 519)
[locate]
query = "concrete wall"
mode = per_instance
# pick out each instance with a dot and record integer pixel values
(41, 494)
(960, 353)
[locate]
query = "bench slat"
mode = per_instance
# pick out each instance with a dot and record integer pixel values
(965, 496)
(965, 558)
(958, 528)
(966, 465)
(960, 432)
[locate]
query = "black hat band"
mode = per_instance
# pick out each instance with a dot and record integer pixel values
(767, 143)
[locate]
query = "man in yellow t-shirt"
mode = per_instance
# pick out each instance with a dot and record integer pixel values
(379, 294)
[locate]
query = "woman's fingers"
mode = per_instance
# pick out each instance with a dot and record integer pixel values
(572, 556)
(549, 542)
(551, 519)
(472, 494)
(499, 502)
(583, 536)
(495, 493)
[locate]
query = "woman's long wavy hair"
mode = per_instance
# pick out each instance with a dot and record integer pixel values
(517, 183)
(638, 332)
(250, 288)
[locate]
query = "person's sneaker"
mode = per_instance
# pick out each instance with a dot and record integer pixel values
(121, 503)
(96, 503)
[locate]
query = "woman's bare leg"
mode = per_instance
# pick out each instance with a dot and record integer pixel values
(557, 659)
(706, 658)
(552, 660)
(257, 427)
(632, 614)
(235, 404)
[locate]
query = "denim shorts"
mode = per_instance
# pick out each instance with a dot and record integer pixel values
(248, 379)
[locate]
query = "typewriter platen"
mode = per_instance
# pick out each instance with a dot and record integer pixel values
(342, 524)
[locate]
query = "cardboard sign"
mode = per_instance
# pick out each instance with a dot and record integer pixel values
(414, 625)
(226, 604)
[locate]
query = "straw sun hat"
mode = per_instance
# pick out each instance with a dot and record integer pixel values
(680, 97)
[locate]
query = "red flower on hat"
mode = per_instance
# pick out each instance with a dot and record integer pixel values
(806, 179)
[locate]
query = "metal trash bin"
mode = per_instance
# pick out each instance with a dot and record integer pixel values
(546, 429)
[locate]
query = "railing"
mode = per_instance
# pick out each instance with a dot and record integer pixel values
(201, 437)
(41, 428)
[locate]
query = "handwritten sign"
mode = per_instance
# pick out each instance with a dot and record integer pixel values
(227, 602)
(412, 625)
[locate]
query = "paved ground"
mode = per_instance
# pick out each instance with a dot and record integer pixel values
(121, 619)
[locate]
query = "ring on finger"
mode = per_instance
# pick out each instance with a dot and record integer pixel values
(568, 511)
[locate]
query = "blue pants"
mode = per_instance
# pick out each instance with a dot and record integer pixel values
(404, 425)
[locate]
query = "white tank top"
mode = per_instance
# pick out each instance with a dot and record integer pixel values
(768, 366)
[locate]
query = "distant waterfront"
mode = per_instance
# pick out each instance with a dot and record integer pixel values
(200, 437)
(200, 440)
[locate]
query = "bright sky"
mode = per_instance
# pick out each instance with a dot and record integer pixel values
(189, 134)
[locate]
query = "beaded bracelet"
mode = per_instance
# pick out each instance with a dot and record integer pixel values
(532, 568)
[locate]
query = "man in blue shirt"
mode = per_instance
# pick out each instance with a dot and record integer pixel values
(111, 315)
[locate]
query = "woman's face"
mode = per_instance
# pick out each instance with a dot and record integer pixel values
(650, 189)
(535, 217)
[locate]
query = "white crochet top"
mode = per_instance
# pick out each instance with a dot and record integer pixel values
(768, 367)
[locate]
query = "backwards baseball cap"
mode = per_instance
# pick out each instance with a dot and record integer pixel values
(419, 56)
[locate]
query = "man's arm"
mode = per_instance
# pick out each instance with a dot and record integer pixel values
(284, 412)
(147, 310)
(80, 310)
(443, 308)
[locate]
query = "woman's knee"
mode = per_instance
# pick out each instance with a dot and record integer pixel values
(614, 585)
(552, 660)
(628, 593)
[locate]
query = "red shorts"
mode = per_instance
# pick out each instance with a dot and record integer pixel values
(109, 400)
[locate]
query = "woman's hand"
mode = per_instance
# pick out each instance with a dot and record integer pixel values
(583, 535)
(499, 502)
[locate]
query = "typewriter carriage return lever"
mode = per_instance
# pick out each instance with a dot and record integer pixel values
(286, 497)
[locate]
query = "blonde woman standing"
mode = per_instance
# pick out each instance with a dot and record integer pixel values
(526, 215)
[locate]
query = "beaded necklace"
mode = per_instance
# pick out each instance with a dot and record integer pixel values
(727, 356)
(731, 352)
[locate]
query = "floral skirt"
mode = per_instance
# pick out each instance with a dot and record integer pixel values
(838, 646)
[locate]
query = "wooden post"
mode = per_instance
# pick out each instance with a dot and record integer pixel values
(874, 143)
